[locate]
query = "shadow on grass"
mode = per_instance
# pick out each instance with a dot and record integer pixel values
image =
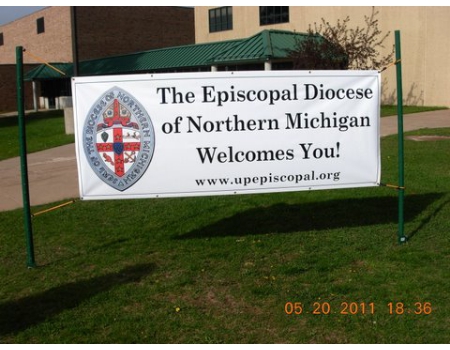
(333, 214)
(16, 316)
(439, 206)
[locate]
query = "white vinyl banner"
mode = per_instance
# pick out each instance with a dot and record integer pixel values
(193, 134)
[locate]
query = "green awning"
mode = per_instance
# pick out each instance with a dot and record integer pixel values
(50, 71)
(266, 45)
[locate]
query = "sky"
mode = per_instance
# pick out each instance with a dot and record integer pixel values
(10, 13)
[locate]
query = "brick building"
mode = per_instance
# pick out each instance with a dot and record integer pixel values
(8, 93)
(424, 32)
(47, 35)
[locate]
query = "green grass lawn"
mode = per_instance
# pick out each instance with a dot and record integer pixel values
(44, 130)
(390, 110)
(226, 269)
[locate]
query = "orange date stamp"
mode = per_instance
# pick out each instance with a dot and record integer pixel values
(357, 308)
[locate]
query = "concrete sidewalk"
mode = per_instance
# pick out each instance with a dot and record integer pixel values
(53, 174)
(416, 121)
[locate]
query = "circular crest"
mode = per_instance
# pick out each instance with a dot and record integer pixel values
(119, 139)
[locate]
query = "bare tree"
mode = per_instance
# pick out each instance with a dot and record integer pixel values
(360, 46)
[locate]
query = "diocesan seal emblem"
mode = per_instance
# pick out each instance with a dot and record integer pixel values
(119, 139)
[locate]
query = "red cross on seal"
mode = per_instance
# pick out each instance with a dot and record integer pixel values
(118, 146)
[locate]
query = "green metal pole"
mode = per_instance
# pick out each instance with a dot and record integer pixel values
(401, 176)
(23, 159)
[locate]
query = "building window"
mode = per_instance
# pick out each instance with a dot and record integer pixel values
(40, 25)
(220, 19)
(1, 39)
(273, 15)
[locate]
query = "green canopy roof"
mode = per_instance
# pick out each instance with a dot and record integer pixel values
(268, 44)
(50, 71)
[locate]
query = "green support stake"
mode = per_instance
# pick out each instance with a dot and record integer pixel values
(401, 177)
(23, 159)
